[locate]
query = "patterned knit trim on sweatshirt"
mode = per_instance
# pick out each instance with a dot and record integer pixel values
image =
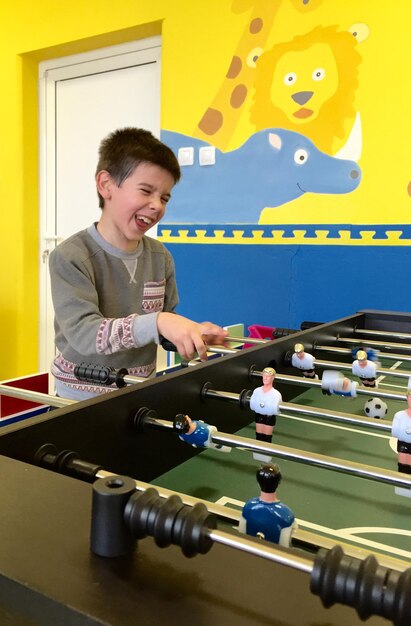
(114, 335)
(63, 370)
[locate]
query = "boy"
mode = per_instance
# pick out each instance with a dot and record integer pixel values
(113, 288)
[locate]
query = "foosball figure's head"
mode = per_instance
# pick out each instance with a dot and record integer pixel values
(361, 358)
(182, 424)
(299, 350)
(268, 477)
(268, 375)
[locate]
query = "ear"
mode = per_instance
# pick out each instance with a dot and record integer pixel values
(104, 183)
(275, 141)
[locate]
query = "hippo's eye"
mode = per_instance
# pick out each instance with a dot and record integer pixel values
(300, 156)
(318, 73)
(290, 78)
(253, 56)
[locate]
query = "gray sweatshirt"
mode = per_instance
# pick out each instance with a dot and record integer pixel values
(106, 303)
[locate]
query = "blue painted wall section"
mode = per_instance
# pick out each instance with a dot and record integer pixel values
(301, 282)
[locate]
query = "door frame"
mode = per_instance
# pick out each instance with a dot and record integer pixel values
(50, 72)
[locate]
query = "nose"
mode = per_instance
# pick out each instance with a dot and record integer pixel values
(301, 97)
(155, 202)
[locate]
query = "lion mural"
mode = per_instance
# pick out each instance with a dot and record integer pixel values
(308, 85)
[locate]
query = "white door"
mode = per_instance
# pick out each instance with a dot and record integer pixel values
(82, 99)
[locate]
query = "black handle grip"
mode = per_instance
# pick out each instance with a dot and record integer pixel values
(101, 374)
(167, 345)
(364, 585)
(278, 333)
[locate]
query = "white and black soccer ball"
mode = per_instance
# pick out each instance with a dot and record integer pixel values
(375, 407)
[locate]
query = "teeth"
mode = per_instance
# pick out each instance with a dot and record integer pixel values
(144, 219)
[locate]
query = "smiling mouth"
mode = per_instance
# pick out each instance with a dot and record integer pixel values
(303, 113)
(146, 220)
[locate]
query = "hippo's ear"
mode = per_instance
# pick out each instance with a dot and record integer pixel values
(275, 140)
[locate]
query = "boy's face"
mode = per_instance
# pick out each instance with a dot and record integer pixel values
(131, 209)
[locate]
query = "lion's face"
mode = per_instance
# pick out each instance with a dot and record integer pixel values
(308, 85)
(303, 81)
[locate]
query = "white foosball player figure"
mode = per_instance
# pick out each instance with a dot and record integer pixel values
(265, 401)
(335, 383)
(365, 370)
(303, 361)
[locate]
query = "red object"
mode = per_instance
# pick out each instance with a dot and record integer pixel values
(10, 406)
(256, 331)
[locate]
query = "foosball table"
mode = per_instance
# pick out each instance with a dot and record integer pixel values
(109, 518)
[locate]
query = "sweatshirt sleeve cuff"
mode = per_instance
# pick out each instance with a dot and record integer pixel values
(145, 329)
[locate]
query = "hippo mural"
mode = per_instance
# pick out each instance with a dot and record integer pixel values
(272, 167)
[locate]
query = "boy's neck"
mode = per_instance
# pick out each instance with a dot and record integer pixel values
(117, 241)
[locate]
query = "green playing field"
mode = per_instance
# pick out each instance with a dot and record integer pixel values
(351, 509)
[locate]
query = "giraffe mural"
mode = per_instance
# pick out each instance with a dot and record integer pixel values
(223, 114)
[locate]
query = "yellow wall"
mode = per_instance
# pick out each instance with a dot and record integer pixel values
(198, 41)
(31, 32)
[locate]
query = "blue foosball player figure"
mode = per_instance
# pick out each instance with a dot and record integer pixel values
(197, 433)
(336, 384)
(267, 517)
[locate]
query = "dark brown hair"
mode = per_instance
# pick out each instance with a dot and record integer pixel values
(124, 149)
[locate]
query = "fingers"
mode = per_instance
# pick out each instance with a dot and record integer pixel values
(190, 337)
(212, 333)
(201, 348)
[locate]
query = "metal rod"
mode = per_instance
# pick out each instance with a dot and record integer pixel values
(34, 396)
(348, 366)
(311, 382)
(276, 554)
(336, 416)
(383, 355)
(222, 395)
(159, 424)
(379, 333)
(252, 340)
(378, 344)
(221, 350)
(318, 460)
(301, 456)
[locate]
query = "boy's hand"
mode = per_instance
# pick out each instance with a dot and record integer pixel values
(188, 336)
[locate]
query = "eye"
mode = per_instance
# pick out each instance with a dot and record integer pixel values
(300, 156)
(318, 74)
(253, 56)
(290, 78)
